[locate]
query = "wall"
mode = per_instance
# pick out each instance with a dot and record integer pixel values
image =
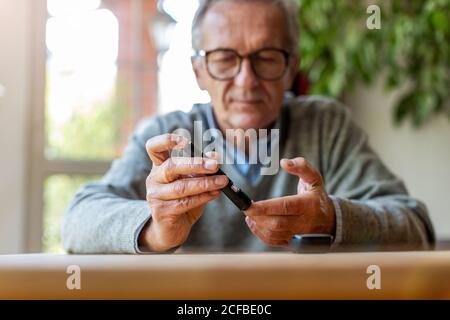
(15, 78)
(421, 157)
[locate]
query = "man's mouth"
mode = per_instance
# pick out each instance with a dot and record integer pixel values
(247, 102)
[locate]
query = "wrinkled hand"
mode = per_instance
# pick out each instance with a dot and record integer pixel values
(177, 190)
(276, 221)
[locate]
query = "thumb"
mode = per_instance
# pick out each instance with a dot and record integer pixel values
(302, 169)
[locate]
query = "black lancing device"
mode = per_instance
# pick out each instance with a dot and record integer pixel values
(234, 193)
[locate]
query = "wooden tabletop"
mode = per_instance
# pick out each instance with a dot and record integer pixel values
(227, 276)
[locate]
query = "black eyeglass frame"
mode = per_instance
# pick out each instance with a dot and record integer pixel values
(206, 54)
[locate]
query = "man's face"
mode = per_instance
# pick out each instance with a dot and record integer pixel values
(244, 101)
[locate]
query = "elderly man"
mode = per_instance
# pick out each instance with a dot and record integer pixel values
(330, 181)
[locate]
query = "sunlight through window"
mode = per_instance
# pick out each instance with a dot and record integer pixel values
(82, 42)
(178, 88)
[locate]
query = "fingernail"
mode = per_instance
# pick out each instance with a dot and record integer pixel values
(214, 193)
(289, 163)
(220, 180)
(210, 164)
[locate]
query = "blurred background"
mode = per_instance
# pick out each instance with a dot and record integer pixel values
(77, 76)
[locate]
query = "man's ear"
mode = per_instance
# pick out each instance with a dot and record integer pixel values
(199, 75)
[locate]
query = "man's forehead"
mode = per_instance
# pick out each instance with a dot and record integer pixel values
(248, 25)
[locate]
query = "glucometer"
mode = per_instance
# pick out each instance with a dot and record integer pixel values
(234, 193)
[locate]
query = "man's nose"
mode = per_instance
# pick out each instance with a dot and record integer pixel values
(246, 78)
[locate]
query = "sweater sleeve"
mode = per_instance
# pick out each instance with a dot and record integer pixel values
(107, 216)
(375, 210)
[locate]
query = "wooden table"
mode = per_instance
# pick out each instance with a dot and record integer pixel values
(227, 276)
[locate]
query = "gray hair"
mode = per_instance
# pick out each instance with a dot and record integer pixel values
(288, 7)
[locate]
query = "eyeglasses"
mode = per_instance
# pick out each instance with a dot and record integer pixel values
(225, 64)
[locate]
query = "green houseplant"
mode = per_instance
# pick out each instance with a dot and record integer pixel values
(412, 47)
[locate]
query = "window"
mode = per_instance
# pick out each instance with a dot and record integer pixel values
(82, 42)
(175, 69)
(58, 191)
(100, 81)
(101, 78)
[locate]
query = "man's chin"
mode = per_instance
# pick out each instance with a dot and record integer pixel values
(246, 121)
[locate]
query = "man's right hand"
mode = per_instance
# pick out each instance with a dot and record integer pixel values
(177, 190)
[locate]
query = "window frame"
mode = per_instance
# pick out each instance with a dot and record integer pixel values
(39, 168)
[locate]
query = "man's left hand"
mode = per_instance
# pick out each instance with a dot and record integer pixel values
(276, 221)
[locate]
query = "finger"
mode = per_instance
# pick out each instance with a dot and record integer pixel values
(210, 155)
(278, 223)
(158, 147)
(186, 187)
(270, 239)
(174, 167)
(196, 175)
(284, 206)
(181, 206)
(213, 155)
(303, 169)
(270, 234)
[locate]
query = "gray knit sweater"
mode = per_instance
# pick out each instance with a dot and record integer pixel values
(373, 209)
